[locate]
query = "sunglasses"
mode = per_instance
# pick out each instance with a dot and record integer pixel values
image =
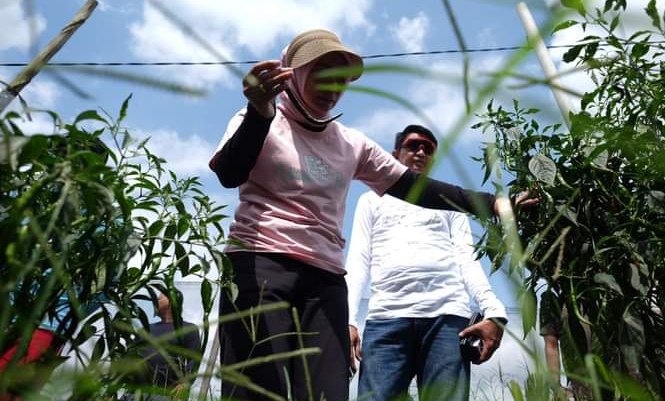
(414, 145)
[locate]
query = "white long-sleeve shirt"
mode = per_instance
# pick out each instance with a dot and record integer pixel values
(419, 262)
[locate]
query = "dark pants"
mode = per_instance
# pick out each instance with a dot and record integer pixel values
(320, 298)
(396, 350)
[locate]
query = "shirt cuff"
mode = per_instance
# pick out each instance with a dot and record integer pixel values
(502, 320)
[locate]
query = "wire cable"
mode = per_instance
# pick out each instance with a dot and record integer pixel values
(366, 57)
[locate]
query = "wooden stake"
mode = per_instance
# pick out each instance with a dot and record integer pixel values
(31, 70)
(210, 366)
(545, 61)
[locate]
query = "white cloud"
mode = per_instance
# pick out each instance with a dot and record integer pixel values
(17, 26)
(185, 156)
(230, 27)
(39, 94)
(115, 6)
(39, 123)
(410, 33)
(441, 100)
(382, 124)
(487, 37)
(103, 5)
(157, 39)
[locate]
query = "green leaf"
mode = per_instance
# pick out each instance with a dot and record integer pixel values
(590, 50)
(631, 389)
(608, 5)
(587, 98)
(652, 12)
(575, 4)
(633, 37)
(564, 25)
(33, 149)
(89, 115)
(572, 53)
(516, 391)
(656, 200)
(609, 281)
(614, 42)
(180, 207)
(146, 184)
(233, 291)
(123, 109)
(98, 351)
(148, 205)
(601, 159)
(639, 50)
(171, 231)
(183, 259)
(567, 212)
(513, 134)
(155, 228)
(636, 281)
(206, 295)
(10, 147)
(487, 168)
(529, 311)
(632, 346)
(183, 226)
(204, 264)
(543, 168)
(379, 93)
(614, 23)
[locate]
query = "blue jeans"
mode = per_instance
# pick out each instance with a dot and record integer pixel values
(396, 350)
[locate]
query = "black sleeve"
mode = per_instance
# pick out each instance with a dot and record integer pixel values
(237, 158)
(441, 195)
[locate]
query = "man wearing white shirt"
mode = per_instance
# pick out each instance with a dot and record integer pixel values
(422, 271)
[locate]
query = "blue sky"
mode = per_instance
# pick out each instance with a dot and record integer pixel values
(185, 130)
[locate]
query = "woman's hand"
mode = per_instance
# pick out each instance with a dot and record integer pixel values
(356, 351)
(263, 82)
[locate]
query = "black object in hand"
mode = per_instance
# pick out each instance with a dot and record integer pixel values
(471, 346)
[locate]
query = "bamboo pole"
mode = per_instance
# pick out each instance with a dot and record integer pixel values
(31, 70)
(210, 366)
(545, 60)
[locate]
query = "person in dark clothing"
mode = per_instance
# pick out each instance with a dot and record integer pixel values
(561, 331)
(173, 371)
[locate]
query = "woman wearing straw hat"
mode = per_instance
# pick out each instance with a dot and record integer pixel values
(294, 163)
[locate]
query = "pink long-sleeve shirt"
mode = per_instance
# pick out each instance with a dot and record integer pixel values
(293, 201)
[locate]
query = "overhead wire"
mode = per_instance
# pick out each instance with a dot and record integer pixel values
(366, 57)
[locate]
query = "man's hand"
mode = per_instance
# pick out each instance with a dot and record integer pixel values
(525, 199)
(502, 205)
(490, 334)
(356, 352)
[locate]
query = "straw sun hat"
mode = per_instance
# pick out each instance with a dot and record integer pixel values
(313, 44)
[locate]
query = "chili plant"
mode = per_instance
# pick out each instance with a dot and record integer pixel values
(597, 238)
(91, 224)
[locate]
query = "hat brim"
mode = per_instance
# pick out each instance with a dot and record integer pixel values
(316, 49)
